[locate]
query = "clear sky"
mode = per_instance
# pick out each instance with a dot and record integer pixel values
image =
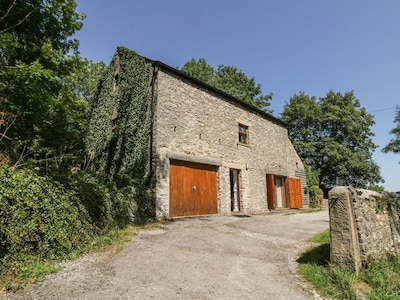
(288, 46)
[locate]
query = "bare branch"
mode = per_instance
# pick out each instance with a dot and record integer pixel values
(9, 9)
(3, 135)
(24, 153)
(7, 122)
(19, 23)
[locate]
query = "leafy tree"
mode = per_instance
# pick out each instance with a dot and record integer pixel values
(303, 116)
(201, 70)
(45, 84)
(376, 187)
(230, 80)
(313, 187)
(333, 136)
(394, 144)
(27, 25)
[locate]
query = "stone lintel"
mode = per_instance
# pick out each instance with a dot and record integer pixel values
(194, 159)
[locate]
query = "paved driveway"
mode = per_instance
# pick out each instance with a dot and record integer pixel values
(210, 257)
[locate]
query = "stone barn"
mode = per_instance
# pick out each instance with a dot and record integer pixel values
(204, 151)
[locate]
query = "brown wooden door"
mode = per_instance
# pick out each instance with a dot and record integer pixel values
(271, 192)
(193, 189)
(293, 185)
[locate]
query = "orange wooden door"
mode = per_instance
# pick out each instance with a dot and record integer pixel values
(193, 189)
(293, 186)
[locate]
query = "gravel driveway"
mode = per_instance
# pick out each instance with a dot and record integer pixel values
(209, 257)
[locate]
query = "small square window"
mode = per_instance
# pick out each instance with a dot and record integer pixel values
(243, 134)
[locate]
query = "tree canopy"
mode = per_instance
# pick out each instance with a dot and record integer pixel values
(44, 86)
(333, 136)
(230, 80)
(394, 143)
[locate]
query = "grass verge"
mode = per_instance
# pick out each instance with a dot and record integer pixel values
(25, 270)
(380, 280)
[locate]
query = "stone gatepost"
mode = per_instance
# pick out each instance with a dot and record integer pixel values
(345, 248)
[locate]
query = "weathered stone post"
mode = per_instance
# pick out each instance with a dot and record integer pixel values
(345, 248)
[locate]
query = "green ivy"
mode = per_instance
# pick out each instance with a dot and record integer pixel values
(39, 216)
(119, 139)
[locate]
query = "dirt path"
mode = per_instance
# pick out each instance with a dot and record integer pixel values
(211, 257)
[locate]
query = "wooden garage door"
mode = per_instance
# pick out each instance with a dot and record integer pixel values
(193, 189)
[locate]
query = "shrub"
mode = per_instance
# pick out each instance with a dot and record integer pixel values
(39, 217)
(107, 205)
(316, 194)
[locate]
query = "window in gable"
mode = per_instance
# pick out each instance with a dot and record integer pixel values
(243, 134)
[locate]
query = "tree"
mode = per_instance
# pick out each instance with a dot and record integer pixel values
(230, 80)
(27, 25)
(394, 144)
(303, 117)
(44, 88)
(333, 136)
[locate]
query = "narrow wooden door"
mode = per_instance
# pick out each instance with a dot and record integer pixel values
(271, 192)
(293, 185)
(193, 189)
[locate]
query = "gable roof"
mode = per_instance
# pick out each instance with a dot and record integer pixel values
(213, 89)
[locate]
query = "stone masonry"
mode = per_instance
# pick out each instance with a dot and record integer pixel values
(151, 122)
(363, 227)
(195, 124)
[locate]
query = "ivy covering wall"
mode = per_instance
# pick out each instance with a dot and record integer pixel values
(121, 116)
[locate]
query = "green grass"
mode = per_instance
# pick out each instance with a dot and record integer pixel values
(25, 270)
(384, 278)
(381, 280)
(323, 237)
(303, 211)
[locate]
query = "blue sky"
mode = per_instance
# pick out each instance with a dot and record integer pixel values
(288, 46)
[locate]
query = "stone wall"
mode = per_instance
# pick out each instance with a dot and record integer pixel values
(364, 225)
(196, 124)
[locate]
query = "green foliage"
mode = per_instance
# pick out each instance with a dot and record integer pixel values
(121, 118)
(45, 84)
(394, 144)
(323, 237)
(119, 138)
(380, 280)
(44, 107)
(46, 91)
(107, 205)
(333, 137)
(383, 276)
(230, 80)
(39, 217)
(329, 280)
(381, 205)
(23, 270)
(42, 220)
(313, 187)
(32, 23)
(376, 188)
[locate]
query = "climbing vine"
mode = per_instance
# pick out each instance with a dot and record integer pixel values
(119, 139)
